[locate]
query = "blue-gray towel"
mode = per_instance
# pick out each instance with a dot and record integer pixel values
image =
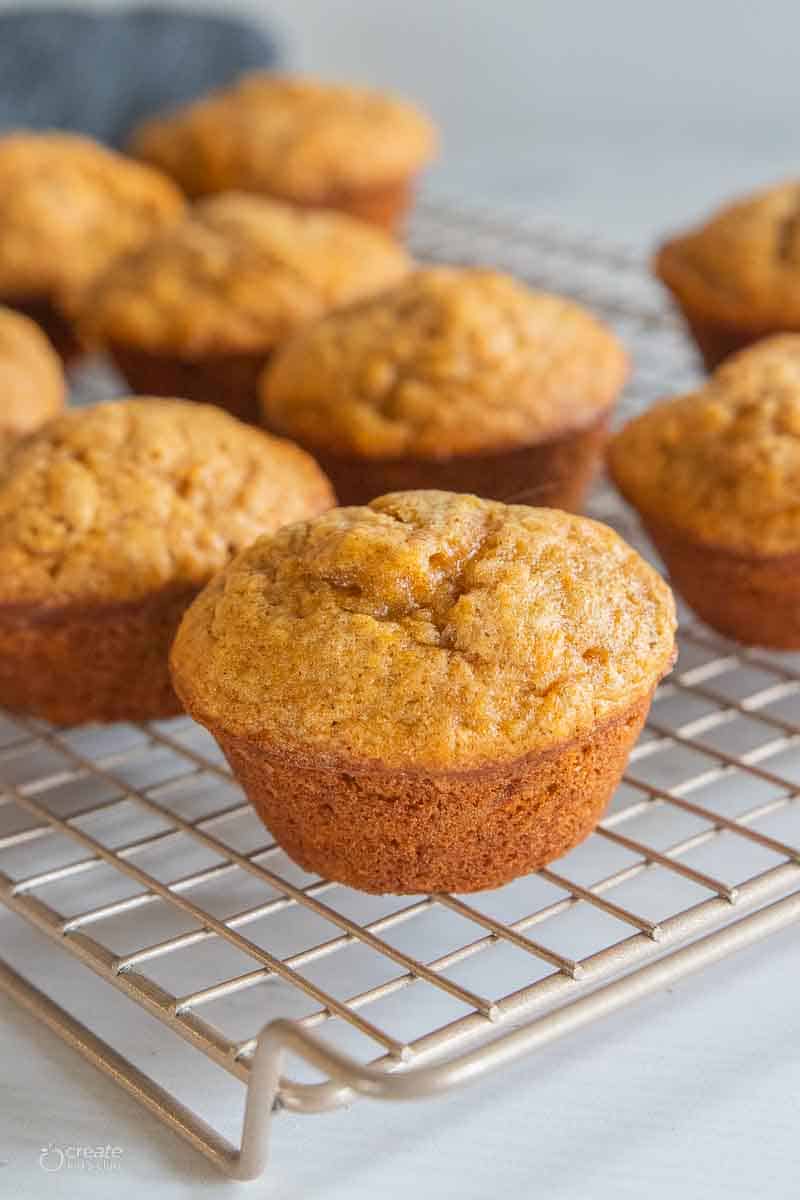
(101, 73)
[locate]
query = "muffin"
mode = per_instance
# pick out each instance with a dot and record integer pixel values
(459, 379)
(311, 144)
(737, 278)
(31, 379)
(68, 208)
(199, 310)
(715, 476)
(434, 692)
(112, 519)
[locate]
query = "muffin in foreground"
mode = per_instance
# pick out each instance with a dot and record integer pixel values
(459, 379)
(198, 311)
(68, 208)
(32, 386)
(112, 519)
(737, 277)
(434, 692)
(715, 477)
(308, 143)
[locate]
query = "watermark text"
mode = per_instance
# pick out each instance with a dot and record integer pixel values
(54, 1157)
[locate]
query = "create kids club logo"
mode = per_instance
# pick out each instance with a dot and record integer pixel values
(79, 1158)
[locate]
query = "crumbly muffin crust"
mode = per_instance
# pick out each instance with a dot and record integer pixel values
(113, 503)
(743, 265)
(31, 379)
(427, 630)
(68, 208)
(452, 361)
(239, 273)
(722, 465)
(293, 138)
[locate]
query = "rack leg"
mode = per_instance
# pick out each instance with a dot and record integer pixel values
(160, 1102)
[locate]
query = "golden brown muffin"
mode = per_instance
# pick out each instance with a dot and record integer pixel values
(435, 692)
(68, 208)
(32, 384)
(461, 379)
(199, 310)
(715, 476)
(307, 143)
(112, 519)
(737, 278)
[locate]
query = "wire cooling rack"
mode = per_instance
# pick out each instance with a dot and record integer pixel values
(133, 849)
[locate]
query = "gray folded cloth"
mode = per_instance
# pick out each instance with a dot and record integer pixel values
(101, 73)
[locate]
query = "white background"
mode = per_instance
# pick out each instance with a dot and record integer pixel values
(629, 118)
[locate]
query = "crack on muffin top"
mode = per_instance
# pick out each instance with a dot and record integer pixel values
(426, 629)
(115, 502)
(723, 464)
(452, 361)
(31, 379)
(293, 138)
(743, 264)
(68, 208)
(239, 273)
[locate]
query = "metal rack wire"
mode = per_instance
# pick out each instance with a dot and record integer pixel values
(194, 914)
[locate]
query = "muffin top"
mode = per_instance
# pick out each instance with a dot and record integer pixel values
(452, 361)
(427, 629)
(68, 208)
(293, 138)
(743, 265)
(723, 464)
(239, 273)
(114, 502)
(31, 379)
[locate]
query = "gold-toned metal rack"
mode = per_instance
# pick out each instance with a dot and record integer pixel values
(697, 857)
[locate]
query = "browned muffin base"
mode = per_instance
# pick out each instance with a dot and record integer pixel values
(556, 474)
(387, 830)
(715, 339)
(59, 330)
(76, 664)
(750, 599)
(386, 206)
(228, 380)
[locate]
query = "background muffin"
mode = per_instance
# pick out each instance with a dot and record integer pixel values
(308, 143)
(737, 278)
(462, 379)
(715, 476)
(111, 520)
(199, 310)
(434, 692)
(68, 208)
(32, 385)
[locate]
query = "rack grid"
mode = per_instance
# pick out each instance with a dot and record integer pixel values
(198, 917)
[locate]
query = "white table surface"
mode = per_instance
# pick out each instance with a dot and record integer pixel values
(626, 118)
(692, 1093)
